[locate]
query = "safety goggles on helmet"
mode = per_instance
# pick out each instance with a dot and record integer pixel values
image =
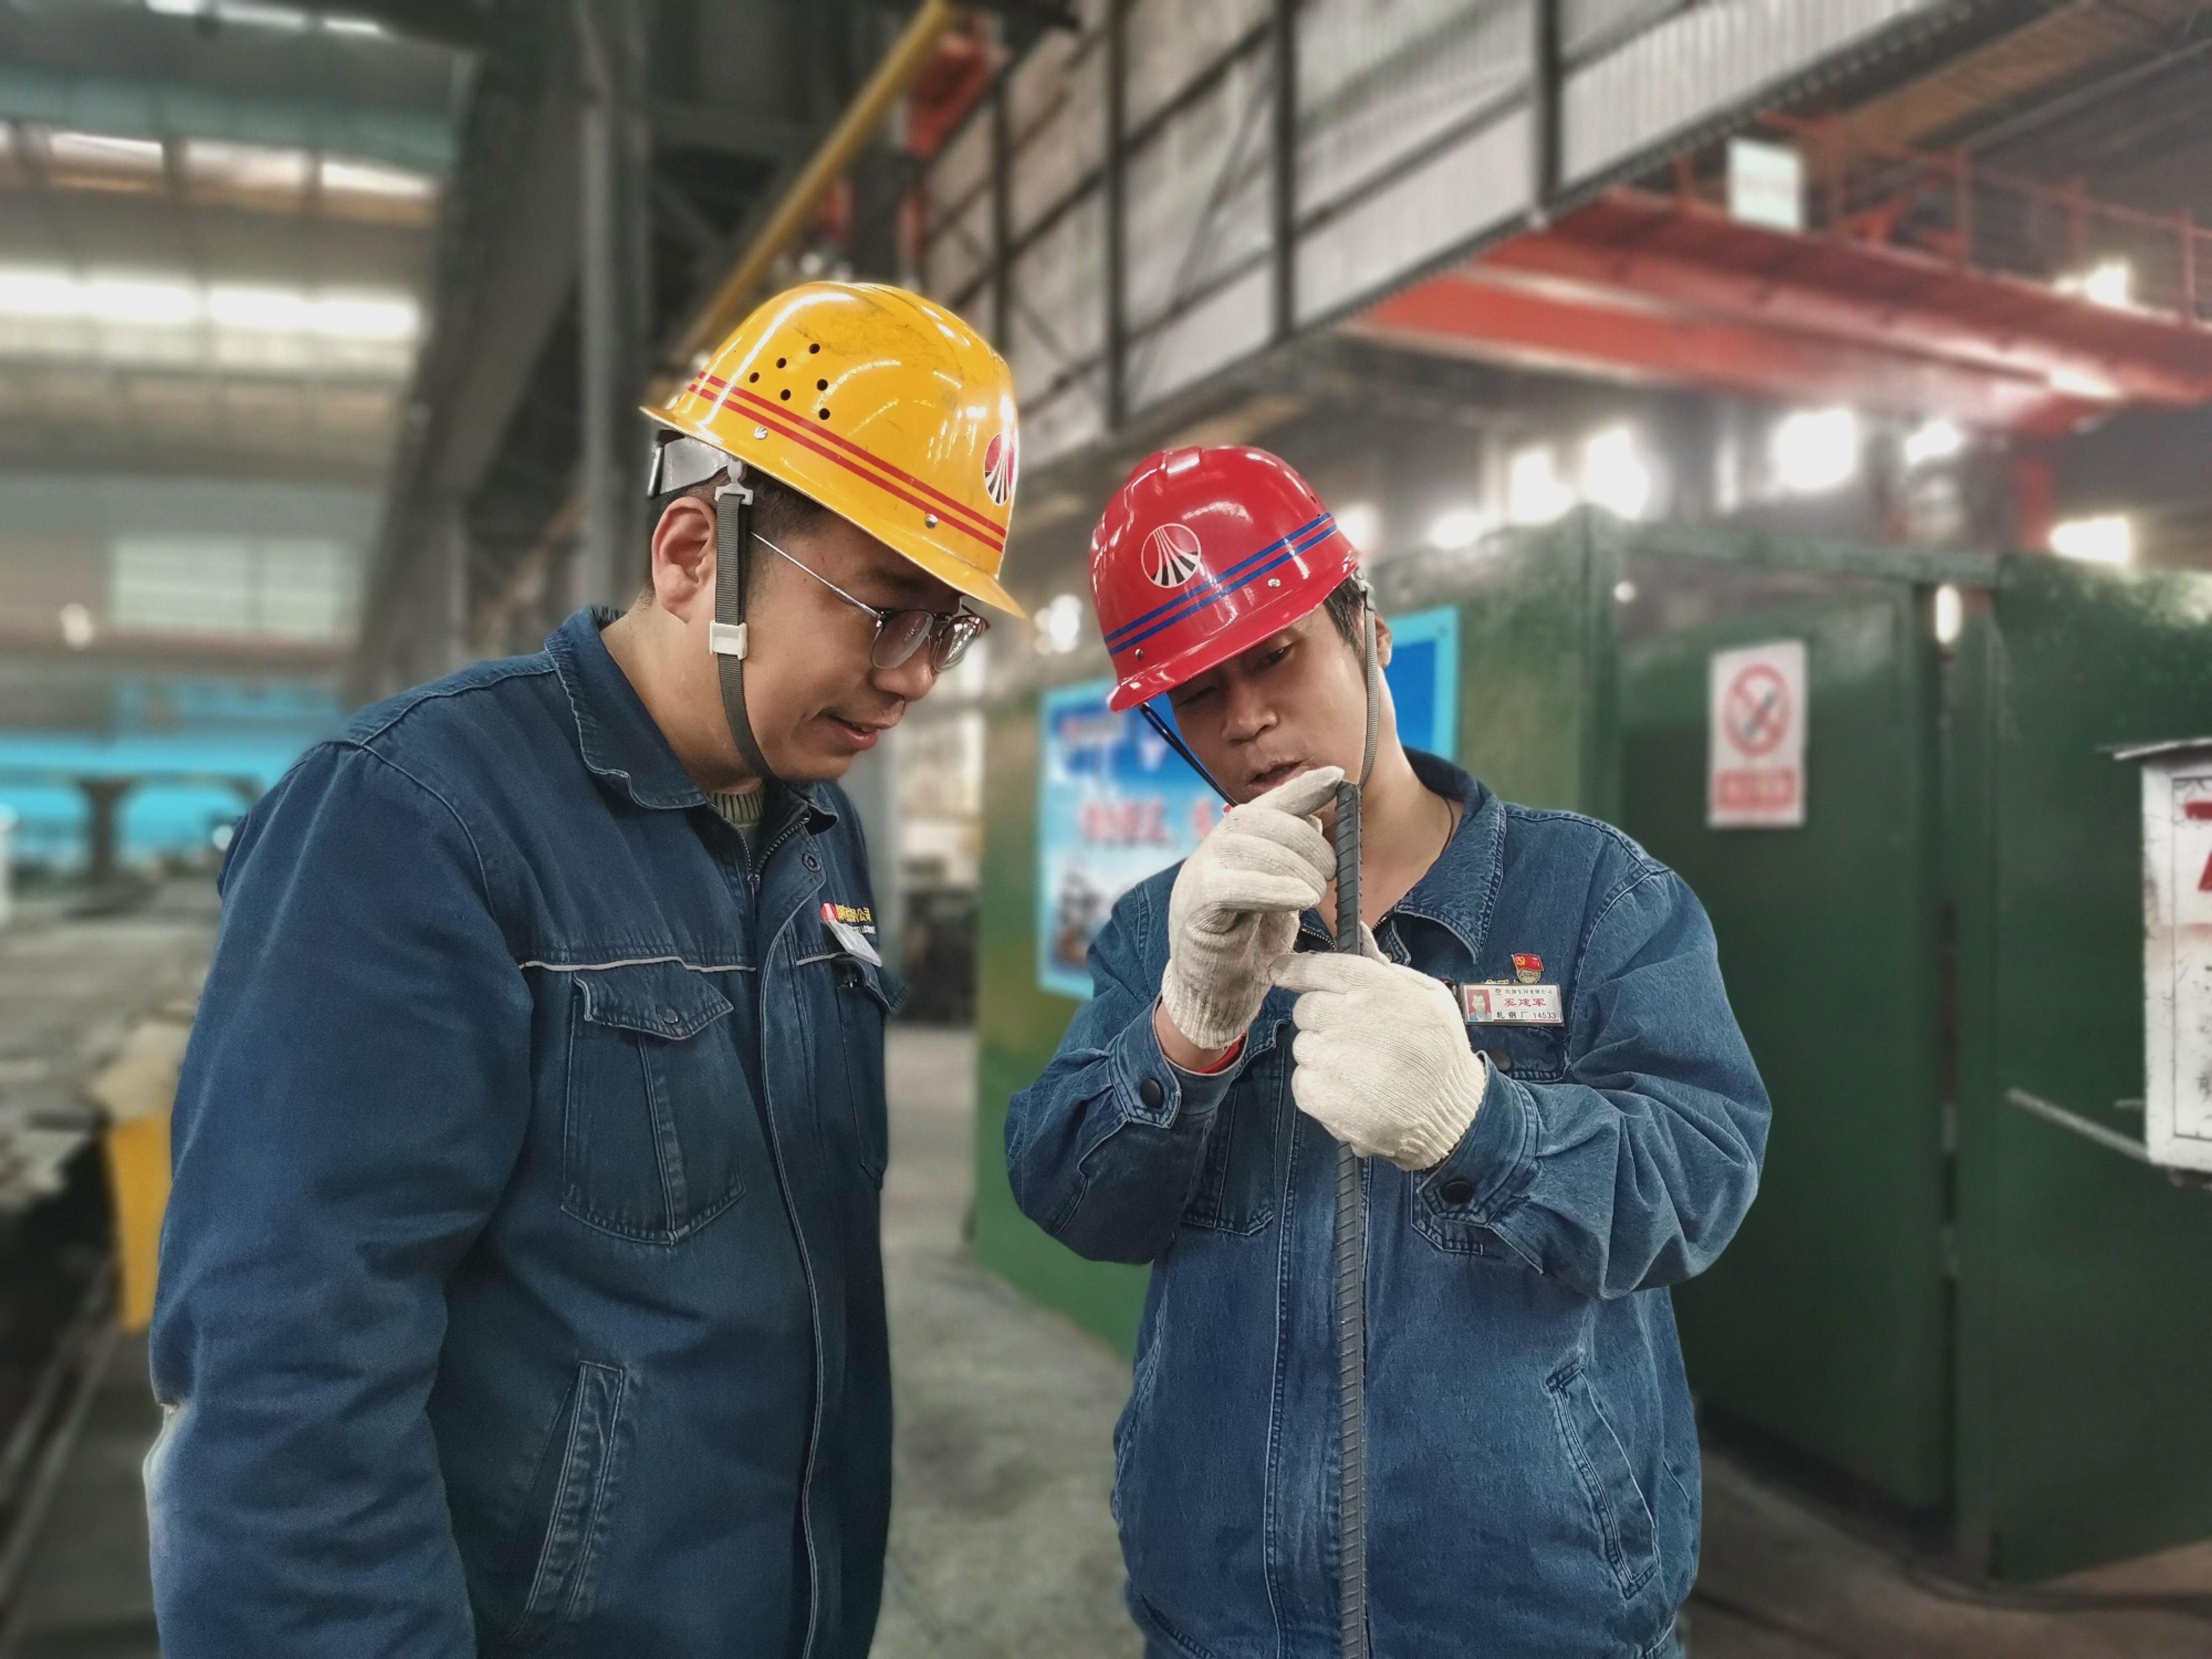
(900, 634)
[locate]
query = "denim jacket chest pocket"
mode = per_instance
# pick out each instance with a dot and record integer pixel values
(1237, 1185)
(657, 1109)
(1528, 1054)
(865, 994)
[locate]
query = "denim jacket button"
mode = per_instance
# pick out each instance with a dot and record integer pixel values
(1458, 1190)
(813, 863)
(1151, 1093)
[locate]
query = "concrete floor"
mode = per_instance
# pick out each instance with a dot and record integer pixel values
(1001, 1545)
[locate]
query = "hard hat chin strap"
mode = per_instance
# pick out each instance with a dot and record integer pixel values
(727, 635)
(1168, 736)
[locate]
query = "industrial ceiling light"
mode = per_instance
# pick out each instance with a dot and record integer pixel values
(46, 293)
(1950, 614)
(2107, 538)
(1533, 493)
(76, 626)
(1060, 626)
(2108, 282)
(366, 178)
(140, 302)
(1362, 525)
(1933, 441)
(1614, 476)
(1456, 527)
(260, 167)
(69, 150)
(1815, 449)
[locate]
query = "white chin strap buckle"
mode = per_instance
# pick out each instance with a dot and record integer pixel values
(726, 640)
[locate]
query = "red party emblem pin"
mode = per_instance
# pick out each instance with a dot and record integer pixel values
(1527, 969)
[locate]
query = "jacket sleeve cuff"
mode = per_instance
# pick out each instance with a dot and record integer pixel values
(1151, 1090)
(1494, 1162)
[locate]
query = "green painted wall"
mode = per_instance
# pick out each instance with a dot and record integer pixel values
(1017, 1028)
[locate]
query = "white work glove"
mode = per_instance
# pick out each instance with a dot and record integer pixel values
(1235, 905)
(1382, 1059)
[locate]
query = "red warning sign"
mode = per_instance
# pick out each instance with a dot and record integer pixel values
(1755, 745)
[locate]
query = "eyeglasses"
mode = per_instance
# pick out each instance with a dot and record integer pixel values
(900, 634)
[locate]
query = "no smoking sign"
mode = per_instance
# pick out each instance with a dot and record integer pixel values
(1755, 745)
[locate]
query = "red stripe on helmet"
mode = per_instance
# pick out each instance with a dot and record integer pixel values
(946, 507)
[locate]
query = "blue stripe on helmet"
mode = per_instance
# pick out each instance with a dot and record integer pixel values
(1206, 589)
(1284, 554)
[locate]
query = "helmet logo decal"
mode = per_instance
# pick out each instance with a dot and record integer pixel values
(1000, 460)
(1171, 555)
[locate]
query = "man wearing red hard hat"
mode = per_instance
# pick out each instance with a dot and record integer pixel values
(1532, 1056)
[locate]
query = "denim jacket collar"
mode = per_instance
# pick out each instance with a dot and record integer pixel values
(1459, 890)
(615, 733)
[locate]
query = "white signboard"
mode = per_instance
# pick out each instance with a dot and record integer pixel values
(2177, 803)
(1766, 184)
(1755, 737)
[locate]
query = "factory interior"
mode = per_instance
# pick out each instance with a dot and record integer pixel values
(1781, 429)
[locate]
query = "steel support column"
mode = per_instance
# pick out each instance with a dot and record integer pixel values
(613, 301)
(1284, 162)
(1002, 213)
(1547, 73)
(1117, 216)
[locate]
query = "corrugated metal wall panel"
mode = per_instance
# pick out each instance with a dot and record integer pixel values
(1060, 304)
(1702, 61)
(1058, 109)
(1476, 185)
(1583, 23)
(1171, 41)
(1231, 323)
(958, 254)
(1066, 420)
(1378, 79)
(962, 171)
(1199, 196)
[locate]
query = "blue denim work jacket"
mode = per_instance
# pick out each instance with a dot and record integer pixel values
(521, 1289)
(1532, 1459)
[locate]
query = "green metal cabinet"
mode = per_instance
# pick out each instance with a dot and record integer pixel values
(1826, 1321)
(2085, 1291)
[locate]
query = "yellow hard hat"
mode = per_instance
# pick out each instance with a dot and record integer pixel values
(882, 406)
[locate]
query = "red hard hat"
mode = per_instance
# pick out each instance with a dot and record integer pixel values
(1202, 554)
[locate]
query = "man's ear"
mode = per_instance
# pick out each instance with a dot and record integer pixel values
(1382, 641)
(683, 555)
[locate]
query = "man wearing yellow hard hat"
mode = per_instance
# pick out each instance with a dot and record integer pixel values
(520, 1289)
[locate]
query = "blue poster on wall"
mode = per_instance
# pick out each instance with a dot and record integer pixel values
(1423, 676)
(1116, 804)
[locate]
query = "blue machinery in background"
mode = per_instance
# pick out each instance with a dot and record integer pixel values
(179, 761)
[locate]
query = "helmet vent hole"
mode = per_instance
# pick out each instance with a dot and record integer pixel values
(787, 394)
(811, 350)
(822, 386)
(755, 375)
(781, 362)
(823, 413)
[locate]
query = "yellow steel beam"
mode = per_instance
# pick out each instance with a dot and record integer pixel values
(734, 298)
